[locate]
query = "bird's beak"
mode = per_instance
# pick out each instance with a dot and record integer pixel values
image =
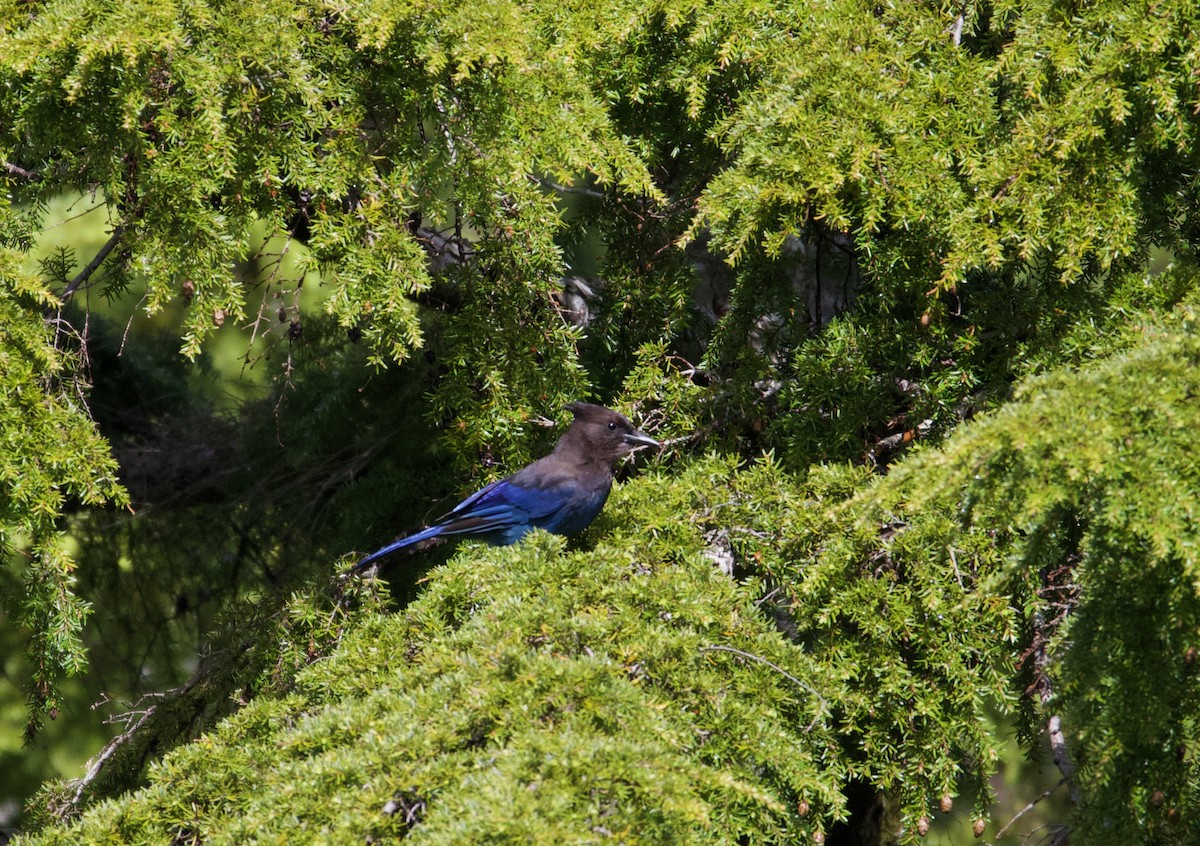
(636, 440)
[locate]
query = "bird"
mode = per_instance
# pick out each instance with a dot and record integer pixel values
(561, 492)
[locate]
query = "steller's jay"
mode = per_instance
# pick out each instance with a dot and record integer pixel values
(561, 493)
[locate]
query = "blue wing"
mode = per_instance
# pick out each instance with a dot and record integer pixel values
(396, 546)
(506, 510)
(500, 513)
(503, 512)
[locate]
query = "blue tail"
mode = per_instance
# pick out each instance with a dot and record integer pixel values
(396, 546)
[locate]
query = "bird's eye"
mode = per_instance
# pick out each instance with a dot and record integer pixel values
(612, 425)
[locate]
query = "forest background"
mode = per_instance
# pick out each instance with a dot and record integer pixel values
(909, 291)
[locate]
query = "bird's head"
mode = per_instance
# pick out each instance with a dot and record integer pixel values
(606, 433)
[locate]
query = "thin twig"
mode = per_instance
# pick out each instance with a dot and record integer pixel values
(92, 266)
(954, 563)
(1046, 794)
(1045, 689)
(261, 317)
(1008, 183)
(203, 674)
(768, 597)
(751, 656)
(1057, 834)
(97, 763)
(17, 170)
(567, 189)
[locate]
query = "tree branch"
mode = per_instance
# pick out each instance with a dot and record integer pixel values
(568, 189)
(1046, 794)
(96, 764)
(92, 266)
(752, 657)
(1045, 690)
(16, 170)
(956, 28)
(153, 723)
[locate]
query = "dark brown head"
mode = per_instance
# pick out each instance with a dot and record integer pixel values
(603, 434)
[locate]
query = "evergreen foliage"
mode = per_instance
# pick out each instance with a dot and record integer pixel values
(791, 239)
(51, 452)
(531, 695)
(632, 690)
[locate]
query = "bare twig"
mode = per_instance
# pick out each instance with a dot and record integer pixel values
(768, 597)
(96, 766)
(406, 802)
(17, 170)
(1045, 691)
(453, 151)
(752, 657)
(956, 28)
(954, 563)
(1056, 834)
(881, 448)
(720, 551)
(1046, 794)
(1062, 755)
(1008, 183)
(1058, 595)
(262, 318)
(568, 189)
(92, 266)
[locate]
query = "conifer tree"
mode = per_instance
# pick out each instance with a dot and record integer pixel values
(908, 290)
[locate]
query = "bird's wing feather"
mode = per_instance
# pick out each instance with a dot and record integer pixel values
(499, 506)
(396, 546)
